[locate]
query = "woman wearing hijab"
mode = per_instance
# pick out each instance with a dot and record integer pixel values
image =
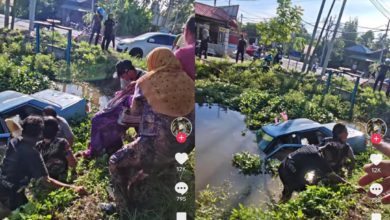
(164, 93)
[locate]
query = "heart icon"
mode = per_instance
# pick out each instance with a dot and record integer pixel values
(376, 158)
(181, 158)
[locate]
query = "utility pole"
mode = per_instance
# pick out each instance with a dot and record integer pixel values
(6, 13)
(383, 42)
(13, 14)
(229, 2)
(333, 38)
(215, 3)
(241, 22)
(313, 36)
(32, 6)
(319, 38)
(325, 41)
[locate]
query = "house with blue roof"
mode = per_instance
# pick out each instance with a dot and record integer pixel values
(362, 56)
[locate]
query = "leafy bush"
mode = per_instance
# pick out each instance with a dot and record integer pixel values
(247, 163)
(247, 213)
(217, 92)
(212, 202)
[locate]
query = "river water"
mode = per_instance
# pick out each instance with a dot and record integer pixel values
(219, 135)
(98, 93)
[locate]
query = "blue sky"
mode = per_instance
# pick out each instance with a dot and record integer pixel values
(364, 10)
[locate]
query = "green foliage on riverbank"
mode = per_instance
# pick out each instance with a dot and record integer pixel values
(261, 96)
(24, 71)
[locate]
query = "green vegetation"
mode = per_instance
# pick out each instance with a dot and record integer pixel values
(249, 164)
(261, 96)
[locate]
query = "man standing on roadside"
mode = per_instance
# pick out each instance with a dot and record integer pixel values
(383, 69)
(241, 46)
(96, 26)
(108, 31)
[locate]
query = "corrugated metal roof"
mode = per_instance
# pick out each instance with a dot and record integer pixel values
(231, 10)
(211, 12)
(359, 49)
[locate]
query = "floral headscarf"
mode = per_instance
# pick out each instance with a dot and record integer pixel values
(166, 87)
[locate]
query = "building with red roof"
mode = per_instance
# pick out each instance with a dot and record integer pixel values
(222, 26)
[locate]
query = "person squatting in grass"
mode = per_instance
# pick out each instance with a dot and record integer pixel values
(56, 152)
(65, 131)
(162, 94)
(22, 163)
(325, 161)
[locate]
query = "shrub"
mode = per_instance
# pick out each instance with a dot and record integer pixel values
(247, 163)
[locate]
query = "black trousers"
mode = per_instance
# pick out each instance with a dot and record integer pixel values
(203, 50)
(242, 55)
(379, 80)
(106, 41)
(97, 31)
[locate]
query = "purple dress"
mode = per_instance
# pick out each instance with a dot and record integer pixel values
(106, 133)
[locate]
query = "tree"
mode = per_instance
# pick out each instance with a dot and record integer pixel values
(299, 44)
(281, 28)
(133, 18)
(337, 55)
(349, 33)
(182, 11)
(367, 39)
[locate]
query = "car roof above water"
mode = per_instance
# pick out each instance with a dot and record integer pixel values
(61, 99)
(10, 99)
(290, 126)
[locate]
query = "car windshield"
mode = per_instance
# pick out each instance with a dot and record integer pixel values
(265, 139)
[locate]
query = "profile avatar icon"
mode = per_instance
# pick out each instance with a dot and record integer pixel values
(376, 126)
(181, 125)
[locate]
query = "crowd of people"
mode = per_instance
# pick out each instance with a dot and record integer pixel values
(149, 101)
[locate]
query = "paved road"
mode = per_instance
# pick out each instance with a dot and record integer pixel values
(23, 24)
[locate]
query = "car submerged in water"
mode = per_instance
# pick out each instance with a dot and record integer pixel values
(278, 140)
(17, 106)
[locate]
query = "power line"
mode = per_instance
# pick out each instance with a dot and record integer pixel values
(380, 8)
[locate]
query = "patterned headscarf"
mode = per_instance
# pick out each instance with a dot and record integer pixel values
(167, 88)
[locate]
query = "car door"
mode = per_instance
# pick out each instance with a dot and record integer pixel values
(282, 146)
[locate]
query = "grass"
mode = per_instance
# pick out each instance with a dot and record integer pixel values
(158, 198)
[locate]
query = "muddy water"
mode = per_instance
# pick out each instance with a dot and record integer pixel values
(218, 137)
(98, 93)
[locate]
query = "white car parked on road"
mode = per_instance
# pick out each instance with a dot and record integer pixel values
(141, 46)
